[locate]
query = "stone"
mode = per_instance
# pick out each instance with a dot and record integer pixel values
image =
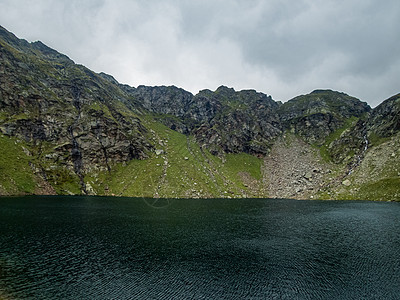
(159, 151)
(90, 189)
(308, 176)
(346, 182)
(26, 151)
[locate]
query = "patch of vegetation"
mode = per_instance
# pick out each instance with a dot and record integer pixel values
(101, 108)
(161, 117)
(3, 116)
(123, 110)
(386, 189)
(16, 176)
(138, 178)
(236, 105)
(64, 181)
(376, 140)
(243, 162)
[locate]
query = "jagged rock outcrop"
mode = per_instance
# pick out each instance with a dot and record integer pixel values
(230, 121)
(169, 104)
(222, 121)
(315, 116)
(384, 120)
(351, 145)
(166, 100)
(381, 122)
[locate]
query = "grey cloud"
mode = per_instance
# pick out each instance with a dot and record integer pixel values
(282, 48)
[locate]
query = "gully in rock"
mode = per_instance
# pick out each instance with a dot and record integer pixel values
(76, 153)
(361, 155)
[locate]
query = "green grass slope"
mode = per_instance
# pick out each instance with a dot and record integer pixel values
(180, 168)
(27, 169)
(16, 175)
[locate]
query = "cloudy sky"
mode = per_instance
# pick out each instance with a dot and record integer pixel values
(280, 47)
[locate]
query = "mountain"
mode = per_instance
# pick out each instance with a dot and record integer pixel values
(65, 129)
(224, 121)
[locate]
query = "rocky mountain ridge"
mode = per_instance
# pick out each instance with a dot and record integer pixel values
(76, 131)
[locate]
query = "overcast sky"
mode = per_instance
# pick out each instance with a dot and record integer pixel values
(282, 48)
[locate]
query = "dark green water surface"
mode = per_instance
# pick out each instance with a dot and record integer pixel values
(125, 248)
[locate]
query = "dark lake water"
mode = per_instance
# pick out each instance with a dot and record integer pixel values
(124, 248)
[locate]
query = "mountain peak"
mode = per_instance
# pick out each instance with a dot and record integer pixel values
(323, 91)
(224, 88)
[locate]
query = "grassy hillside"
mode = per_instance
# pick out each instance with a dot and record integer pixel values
(180, 168)
(16, 176)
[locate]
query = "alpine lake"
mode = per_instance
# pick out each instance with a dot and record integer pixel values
(70, 247)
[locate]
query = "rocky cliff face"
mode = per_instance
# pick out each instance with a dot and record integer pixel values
(224, 121)
(384, 120)
(315, 116)
(52, 103)
(75, 131)
(366, 131)
(230, 121)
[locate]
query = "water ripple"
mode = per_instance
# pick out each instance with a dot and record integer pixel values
(100, 248)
